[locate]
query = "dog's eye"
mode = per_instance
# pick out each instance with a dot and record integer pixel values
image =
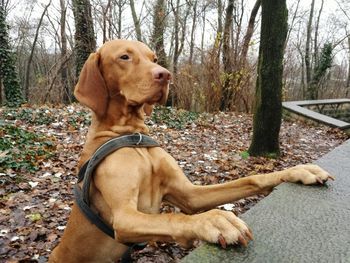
(155, 60)
(124, 57)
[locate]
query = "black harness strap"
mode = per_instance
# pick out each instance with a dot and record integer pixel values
(86, 172)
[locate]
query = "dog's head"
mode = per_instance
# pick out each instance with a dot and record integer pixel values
(122, 69)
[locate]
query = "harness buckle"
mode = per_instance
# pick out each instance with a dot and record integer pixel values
(140, 139)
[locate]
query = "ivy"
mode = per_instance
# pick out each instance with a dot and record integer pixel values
(21, 149)
(324, 63)
(321, 67)
(8, 73)
(173, 118)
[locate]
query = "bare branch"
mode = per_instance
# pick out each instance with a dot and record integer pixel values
(26, 85)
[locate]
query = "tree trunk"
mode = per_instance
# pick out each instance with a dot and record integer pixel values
(110, 21)
(194, 19)
(218, 39)
(202, 37)
(136, 21)
(63, 63)
(67, 94)
(348, 79)
(179, 32)
(183, 23)
(220, 14)
(268, 101)
(243, 75)
(159, 23)
(249, 33)
(316, 57)
(176, 34)
(227, 92)
(302, 71)
(120, 14)
(29, 62)
(105, 14)
(8, 73)
(237, 21)
(1, 102)
(85, 42)
(310, 93)
(291, 25)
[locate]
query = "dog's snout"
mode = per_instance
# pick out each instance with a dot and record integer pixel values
(161, 75)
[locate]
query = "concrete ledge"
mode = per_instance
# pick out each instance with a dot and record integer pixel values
(296, 223)
(318, 102)
(296, 107)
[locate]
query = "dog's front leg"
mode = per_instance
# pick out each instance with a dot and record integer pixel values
(126, 198)
(192, 198)
(214, 226)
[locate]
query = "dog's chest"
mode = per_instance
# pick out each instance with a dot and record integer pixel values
(149, 201)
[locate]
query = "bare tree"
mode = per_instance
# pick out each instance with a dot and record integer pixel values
(227, 91)
(26, 84)
(120, 4)
(85, 42)
(220, 16)
(179, 30)
(105, 12)
(204, 18)
(348, 77)
(249, 32)
(219, 32)
(268, 101)
(180, 22)
(238, 9)
(67, 94)
(292, 23)
(308, 67)
(194, 19)
(317, 25)
(343, 8)
(159, 23)
(136, 20)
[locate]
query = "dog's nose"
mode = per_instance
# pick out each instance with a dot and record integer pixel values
(161, 75)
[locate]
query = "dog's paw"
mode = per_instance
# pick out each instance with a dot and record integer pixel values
(307, 174)
(222, 227)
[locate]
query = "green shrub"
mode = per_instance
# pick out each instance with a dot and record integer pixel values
(38, 116)
(21, 149)
(173, 118)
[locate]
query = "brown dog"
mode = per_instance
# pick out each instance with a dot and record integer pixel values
(119, 84)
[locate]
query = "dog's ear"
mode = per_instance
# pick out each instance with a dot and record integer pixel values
(91, 88)
(147, 108)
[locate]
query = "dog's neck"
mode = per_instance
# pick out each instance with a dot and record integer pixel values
(120, 119)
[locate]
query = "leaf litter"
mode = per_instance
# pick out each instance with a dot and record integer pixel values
(36, 197)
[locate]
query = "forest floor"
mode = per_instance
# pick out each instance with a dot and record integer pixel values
(39, 149)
